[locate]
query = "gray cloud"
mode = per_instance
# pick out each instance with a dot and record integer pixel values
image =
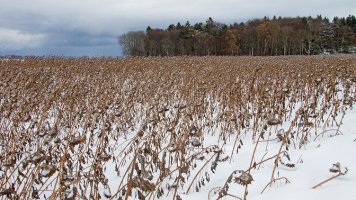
(14, 39)
(67, 27)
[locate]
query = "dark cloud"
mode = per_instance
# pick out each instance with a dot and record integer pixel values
(105, 50)
(91, 27)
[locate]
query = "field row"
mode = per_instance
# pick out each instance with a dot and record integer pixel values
(148, 128)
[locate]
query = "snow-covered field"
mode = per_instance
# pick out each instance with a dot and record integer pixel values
(178, 128)
(312, 167)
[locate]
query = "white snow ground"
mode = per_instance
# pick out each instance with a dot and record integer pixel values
(317, 158)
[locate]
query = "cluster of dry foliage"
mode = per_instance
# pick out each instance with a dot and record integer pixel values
(66, 122)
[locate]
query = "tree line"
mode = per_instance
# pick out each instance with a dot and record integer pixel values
(257, 37)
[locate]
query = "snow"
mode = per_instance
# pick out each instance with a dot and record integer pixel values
(312, 163)
(317, 158)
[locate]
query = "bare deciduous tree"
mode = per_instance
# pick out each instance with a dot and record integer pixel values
(133, 43)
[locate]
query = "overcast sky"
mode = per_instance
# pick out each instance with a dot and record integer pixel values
(91, 27)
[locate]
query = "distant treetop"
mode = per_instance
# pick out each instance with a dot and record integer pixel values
(257, 37)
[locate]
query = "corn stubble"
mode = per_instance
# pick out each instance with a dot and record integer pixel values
(65, 121)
